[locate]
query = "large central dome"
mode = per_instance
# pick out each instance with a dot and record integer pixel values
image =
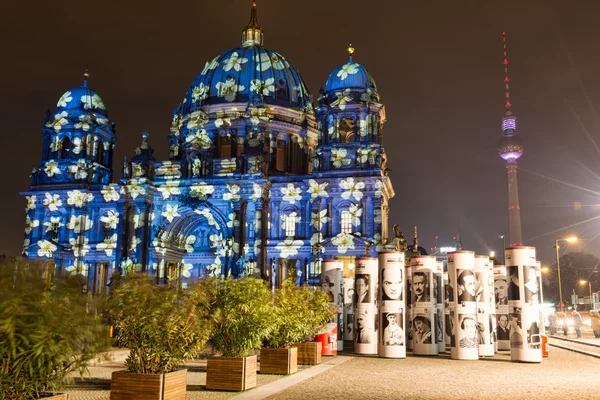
(247, 74)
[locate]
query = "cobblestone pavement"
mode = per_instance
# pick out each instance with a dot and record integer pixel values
(563, 375)
(97, 385)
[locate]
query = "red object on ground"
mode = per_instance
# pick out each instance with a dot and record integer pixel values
(545, 345)
(328, 339)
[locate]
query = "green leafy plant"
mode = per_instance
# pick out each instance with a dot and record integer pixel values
(299, 314)
(242, 314)
(46, 332)
(162, 325)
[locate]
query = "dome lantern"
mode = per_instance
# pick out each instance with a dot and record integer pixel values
(253, 34)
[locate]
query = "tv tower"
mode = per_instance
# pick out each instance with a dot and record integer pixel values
(510, 148)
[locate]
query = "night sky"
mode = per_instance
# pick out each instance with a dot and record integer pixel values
(437, 64)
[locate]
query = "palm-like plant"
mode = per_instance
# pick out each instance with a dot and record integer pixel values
(46, 332)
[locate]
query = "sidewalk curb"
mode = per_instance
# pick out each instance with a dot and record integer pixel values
(279, 385)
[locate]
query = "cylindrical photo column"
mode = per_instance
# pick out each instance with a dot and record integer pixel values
(448, 298)
(501, 299)
(408, 306)
(538, 270)
(424, 305)
(464, 343)
(348, 311)
(331, 282)
(438, 292)
(391, 301)
(523, 304)
(484, 282)
(365, 314)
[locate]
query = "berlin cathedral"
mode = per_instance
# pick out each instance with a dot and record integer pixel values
(260, 180)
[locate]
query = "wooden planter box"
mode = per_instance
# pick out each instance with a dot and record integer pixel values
(231, 373)
(130, 386)
(278, 361)
(309, 353)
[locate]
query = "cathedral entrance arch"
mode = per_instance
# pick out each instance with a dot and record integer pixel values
(202, 243)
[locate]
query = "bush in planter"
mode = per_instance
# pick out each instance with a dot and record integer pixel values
(46, 332)
(161, 325)
(242, 315)
(300, 313)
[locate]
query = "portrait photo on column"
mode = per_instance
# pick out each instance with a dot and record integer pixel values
(516, 329)
(391, 281)
(422, 330)
(327, 286)
(467, 285)
(437, 288)
(469, 331)
(420, 287)
(363, 333)
(501, 292)
(450, 328)
(502, 328)
(531, 286)
(534, 340)
(362, 292)
(392, 333)
(512, 274)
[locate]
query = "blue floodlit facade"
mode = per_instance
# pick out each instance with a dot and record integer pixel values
(260, 181)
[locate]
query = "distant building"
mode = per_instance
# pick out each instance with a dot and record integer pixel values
(258, 181)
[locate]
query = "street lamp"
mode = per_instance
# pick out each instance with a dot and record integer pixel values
(583, 282)
(570, 240)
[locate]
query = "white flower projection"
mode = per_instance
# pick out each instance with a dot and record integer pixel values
(108, 245)
(339, 157)
(289, 247)
(171, 212)
(51, 168)
(317, 189)
(31, 200)
(79, 223)
(77, 198)
(233, 192)
(319, 219)
(229, 89)
(347, 69)
(291, 193)
(169, 170)
(262, 87)
(200, 92)
(344, 242)
(235, 62)
(109, 192)
(52, 201)
(45, 248)
(64, 99)
(110, 219)
(352, 189)
(169, 189)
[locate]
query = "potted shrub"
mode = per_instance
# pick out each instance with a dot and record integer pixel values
(162, 326)
(242, 316)
(47, 330)
(318, 314)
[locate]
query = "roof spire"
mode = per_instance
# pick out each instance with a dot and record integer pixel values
(86, 76)
(253, 34)
(350, 50)
(508, 104)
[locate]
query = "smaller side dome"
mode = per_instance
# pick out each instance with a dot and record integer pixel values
(81, 99)
(350, 75)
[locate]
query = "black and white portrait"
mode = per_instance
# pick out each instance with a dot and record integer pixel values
(512, 273)
(391, 280)
(468, 325)
(422, 333)
(362, 292)
(392, 334)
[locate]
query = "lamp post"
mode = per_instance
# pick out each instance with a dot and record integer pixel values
(570, 240)
(583, 282)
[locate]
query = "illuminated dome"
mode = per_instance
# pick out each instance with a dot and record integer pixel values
(81, 100)
(510, 147)
(246, 74)
(350, 75)
(353, 78)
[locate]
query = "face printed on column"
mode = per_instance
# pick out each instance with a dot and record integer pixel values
(392, 283)
(470, 327)
(469, 284)
(361, 286)
(418, 285)
(532, 277)
(391, 319)
(419, 325)
(360, 321)
(503, 321)
(500, 289)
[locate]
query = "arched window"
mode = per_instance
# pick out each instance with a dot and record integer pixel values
(65, 147)
(346, 130)
(345, 222)
(281, 155)
(223, 146)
